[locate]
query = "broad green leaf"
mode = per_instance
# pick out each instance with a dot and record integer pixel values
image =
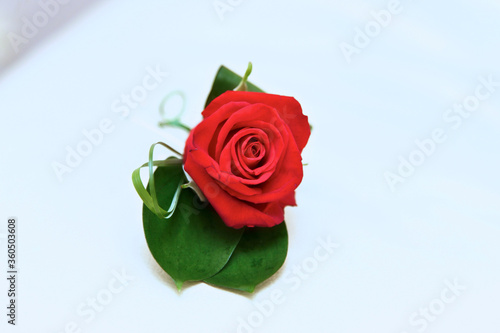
(193, 244)
(227, 80)
(259, 254)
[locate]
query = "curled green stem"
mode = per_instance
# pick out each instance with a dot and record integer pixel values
(149, 198)
(175, 122)
(243, 84)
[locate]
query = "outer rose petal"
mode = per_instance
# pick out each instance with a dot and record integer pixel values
(288, 108)
(234, 212)
(207, 131)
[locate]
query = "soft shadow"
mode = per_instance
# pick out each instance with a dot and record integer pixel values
(259, 288)
(271, 280)
(162, 275)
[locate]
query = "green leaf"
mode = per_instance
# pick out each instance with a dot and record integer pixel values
(259, 254)
(227, 80)
(193, 244)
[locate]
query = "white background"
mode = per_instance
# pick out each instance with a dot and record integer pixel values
(396, 249)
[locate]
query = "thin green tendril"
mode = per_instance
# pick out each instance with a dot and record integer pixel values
(175, 122)
(149, 198)
(243, 84)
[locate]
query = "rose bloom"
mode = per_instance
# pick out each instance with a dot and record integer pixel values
(245, 156)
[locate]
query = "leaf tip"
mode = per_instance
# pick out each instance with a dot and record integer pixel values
(248, 289)
(179, 284)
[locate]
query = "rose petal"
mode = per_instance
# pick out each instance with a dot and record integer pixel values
(288, 108)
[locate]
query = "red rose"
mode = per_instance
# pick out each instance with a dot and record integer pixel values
(245, 156)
